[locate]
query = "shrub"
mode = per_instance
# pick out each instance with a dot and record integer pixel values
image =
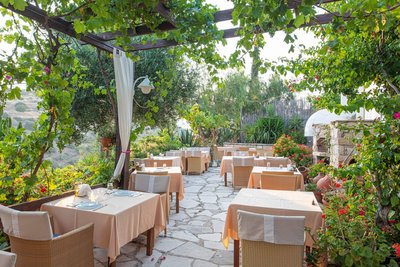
(155, 144)
(285, 146)
(265, 130)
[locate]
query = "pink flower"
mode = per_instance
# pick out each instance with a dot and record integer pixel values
(337, 185)
(396, 115)
(47, 70)
(323, 216)
(361, 213)
(46, 82)
(43, 189)
(8, 77)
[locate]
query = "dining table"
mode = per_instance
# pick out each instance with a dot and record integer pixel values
(159, 161)
(255, 176)
(272, 202)
(118, 216)
(176, 184)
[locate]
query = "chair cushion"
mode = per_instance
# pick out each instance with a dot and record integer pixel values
(284, 230)
(7, 259)
(152, 183)
(31, 225)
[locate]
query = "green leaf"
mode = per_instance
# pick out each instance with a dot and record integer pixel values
(20, 4)
(299, 20)
(79, 26)
(394, 200)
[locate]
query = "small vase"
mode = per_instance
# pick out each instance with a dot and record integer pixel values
(325, 183)
(318, 177)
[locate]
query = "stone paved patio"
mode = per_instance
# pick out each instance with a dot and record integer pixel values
(194, 234)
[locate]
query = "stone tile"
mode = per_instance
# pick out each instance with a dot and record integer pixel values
(200, 263)
(193, 189)
(194, 251)
(167, 244)
(100, 254)
(223, 257)
(211, 237)
(173, 261)
(185, 235)
(188, 203)
(218, 226)
(217, 245)
(148, 261)
(221, 216)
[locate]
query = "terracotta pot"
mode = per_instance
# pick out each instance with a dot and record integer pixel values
(304, 171)
(105, 141)
(318, 177)
(325, 184)
(318, 196)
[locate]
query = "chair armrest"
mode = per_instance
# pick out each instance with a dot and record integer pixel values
(74, 248)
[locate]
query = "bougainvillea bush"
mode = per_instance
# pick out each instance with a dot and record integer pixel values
(362, 220)
(300, 154)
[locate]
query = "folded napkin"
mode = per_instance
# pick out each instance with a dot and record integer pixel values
(84, 190)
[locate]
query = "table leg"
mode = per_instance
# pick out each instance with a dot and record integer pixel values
(226, 179)
(112, 264)
(236, 253)
(177, 202)
(150, 242)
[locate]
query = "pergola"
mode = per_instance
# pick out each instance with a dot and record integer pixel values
(104, 40)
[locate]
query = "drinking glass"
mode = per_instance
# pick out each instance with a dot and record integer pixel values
(289, 167)
(77, 187)
(281, 166)
(268, 164)
(110, 186)
(164, 165)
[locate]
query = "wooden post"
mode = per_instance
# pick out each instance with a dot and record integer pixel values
(236, 253)
(150, 242)
(177, 202)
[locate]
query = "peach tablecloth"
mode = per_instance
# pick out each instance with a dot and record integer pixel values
(273, 202)
(226, 163)
(176, 179)
(116, 224)
(255, 176)
(160, 160)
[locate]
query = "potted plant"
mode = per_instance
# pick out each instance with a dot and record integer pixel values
(107, 135)
(311, 187)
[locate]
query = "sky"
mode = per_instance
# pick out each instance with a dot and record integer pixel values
(275, 47)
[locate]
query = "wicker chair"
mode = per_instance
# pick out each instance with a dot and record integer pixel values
(195, 162)
(241, 170)
(158, 184)
(178, 153)
(7, 259)
(31, 238)
(271, 240)
(278, 182)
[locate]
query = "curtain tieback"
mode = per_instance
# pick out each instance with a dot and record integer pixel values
(126, 152)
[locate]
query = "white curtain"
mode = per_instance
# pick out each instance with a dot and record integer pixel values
(124, 75)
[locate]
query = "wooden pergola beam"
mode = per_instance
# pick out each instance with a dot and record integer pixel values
(61, 25)
(233, 32)
(101, 40)
(219, 16)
